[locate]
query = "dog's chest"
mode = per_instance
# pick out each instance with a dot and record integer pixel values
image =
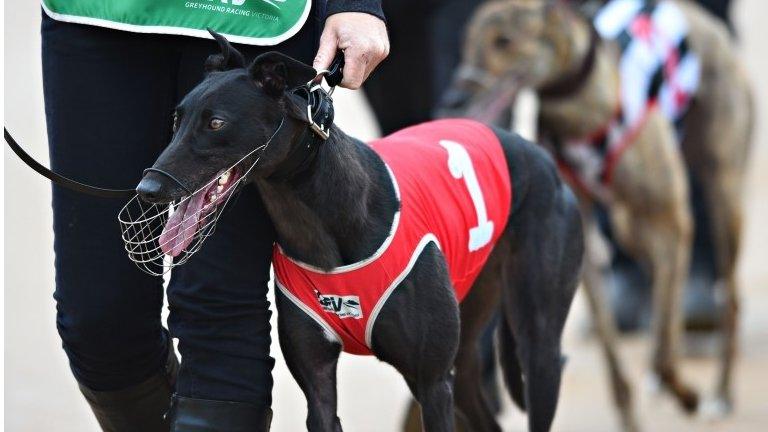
(455, 192)
(657, 72)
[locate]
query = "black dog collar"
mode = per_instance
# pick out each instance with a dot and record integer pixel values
(320, 115)
(571, 83)
(320, 111)
(300, 158)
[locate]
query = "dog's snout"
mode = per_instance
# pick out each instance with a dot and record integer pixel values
(150, 190)
(155, 188)
(455, 98)
(454, 102)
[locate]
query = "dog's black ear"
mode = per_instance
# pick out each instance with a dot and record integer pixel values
(229, 58)
(276, 72)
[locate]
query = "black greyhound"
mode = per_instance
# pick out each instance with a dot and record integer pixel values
(336, 207)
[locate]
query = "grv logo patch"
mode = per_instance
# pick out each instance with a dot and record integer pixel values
(343, 306)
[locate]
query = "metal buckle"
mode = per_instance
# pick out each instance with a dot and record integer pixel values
(316, 85)
(317, 81)
(318, 129)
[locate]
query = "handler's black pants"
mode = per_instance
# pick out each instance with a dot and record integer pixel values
(426, 38)
(109, 96)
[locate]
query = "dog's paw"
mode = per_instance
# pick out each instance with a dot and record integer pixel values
(716, 408)
(652, 384)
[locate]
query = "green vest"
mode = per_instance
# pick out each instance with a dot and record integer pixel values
(254, 22)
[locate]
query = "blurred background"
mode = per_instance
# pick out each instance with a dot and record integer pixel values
(40, 393)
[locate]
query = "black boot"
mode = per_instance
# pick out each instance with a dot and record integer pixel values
(141, 407)
(200, 415)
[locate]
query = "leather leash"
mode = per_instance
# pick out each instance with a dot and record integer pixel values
(61, 180)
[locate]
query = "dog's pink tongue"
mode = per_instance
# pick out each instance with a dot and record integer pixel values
(180, 229)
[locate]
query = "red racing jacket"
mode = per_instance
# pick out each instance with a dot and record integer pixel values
(454, 188)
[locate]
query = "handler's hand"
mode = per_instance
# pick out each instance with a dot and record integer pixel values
(362, 37)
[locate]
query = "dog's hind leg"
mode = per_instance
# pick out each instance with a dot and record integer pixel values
(717, 146)
(544, 246)
(311, 356)
(725, 212)
(477, 309)
(596, 259)
(417, 332)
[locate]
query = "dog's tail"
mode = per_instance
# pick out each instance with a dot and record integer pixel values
(510, 363)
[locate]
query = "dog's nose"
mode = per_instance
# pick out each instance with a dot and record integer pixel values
(150, 190)
(453, 103)
(455, 98)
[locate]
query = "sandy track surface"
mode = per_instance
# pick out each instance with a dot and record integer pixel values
(40, 394)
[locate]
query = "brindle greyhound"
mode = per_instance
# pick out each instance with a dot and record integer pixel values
(338, 208)
(546, 45)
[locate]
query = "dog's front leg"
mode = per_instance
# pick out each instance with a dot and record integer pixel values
(311, 357)
(651, 219)
(417, 332)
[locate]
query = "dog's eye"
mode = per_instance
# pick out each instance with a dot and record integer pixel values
(216, 123)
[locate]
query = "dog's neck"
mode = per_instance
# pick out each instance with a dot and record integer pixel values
(594, 102)
(338, 210)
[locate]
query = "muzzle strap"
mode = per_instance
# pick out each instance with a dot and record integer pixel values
(170, 176)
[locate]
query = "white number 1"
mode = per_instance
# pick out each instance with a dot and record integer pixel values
(460, 166)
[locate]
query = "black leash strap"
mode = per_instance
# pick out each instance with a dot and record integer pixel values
(336, 70)
(60, 179)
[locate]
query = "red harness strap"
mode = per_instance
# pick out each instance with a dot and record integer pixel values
(453, 183)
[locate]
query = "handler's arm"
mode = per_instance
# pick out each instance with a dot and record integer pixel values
(356, 27)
